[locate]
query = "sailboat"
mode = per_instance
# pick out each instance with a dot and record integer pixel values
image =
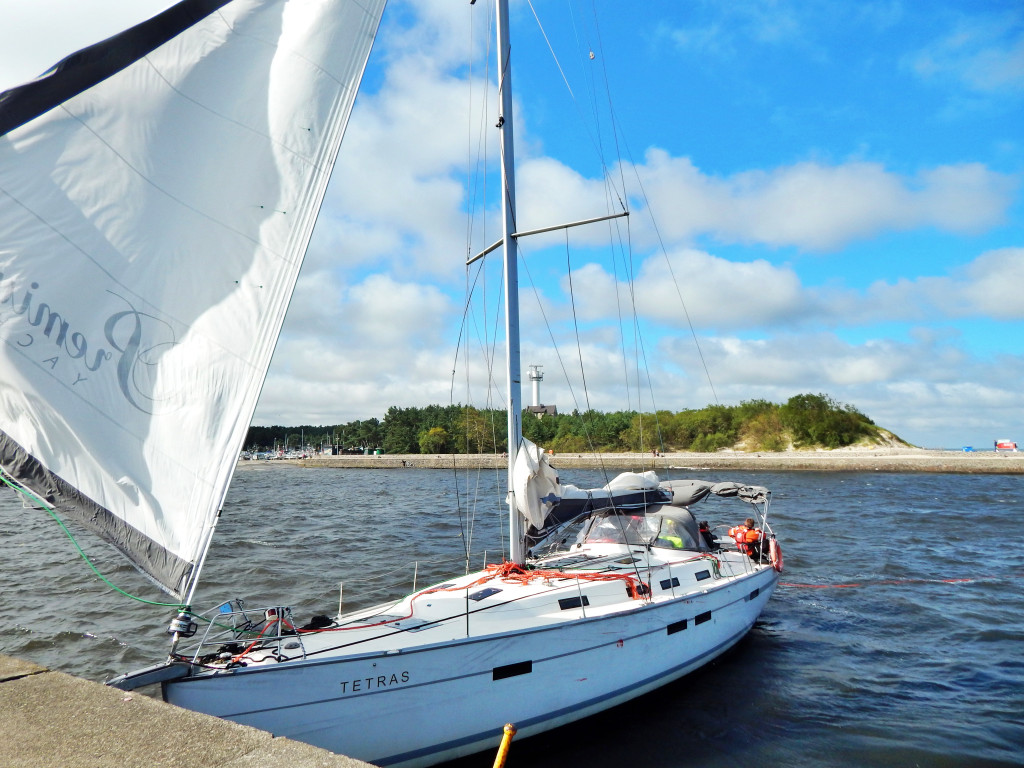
(158, 191)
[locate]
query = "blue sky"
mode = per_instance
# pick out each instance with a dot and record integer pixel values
(836, 191)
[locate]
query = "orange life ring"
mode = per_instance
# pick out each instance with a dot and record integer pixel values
(775, 554)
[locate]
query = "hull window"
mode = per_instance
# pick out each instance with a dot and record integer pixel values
(513, 670)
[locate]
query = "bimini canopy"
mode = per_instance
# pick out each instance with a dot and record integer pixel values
(687, 492)
(629, 490)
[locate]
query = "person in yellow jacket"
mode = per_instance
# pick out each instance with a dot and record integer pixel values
(748, 538)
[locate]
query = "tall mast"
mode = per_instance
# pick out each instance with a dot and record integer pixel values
(508, 227)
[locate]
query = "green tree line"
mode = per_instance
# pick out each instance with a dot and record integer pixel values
(804, 421)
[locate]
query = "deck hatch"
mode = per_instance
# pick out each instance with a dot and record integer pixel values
(478, 596)
(579, 601)
(512, 670)
(701, 575)
(569, 562)
(677, 626)
(669, 583)
(394, 621)
(700, 618)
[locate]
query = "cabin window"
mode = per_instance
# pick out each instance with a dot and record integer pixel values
(620, 528)
(672, 534)
(573, 602)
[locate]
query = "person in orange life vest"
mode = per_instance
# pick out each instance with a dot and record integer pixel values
(748, 538)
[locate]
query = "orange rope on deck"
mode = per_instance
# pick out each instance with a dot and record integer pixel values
(513, 573)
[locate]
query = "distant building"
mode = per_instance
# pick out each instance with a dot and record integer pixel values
(541, 410)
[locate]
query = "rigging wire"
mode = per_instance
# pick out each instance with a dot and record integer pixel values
(477, 123)
(625, 243)
(615, 198)
(671, 271)
(619, 154)
(629, 241)
(466, 524)
(575, 321)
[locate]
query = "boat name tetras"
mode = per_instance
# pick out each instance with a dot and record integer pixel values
(365, 684)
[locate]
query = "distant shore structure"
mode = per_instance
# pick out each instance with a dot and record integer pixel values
(536, 377)
(840, 460)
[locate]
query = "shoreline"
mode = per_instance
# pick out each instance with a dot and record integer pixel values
(840, 460)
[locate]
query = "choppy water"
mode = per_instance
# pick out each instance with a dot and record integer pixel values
(897, 638)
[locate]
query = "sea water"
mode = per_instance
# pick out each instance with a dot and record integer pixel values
(896, 636)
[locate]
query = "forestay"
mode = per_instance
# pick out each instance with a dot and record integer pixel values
(142, 285)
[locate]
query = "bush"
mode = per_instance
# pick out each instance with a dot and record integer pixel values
(765, 432)
(820, 420)
(434, 440)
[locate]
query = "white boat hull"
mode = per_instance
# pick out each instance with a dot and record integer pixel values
(417, 706)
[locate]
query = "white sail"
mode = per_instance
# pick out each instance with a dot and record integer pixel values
(157, 194)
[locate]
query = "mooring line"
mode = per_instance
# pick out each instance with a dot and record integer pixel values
(882, 582)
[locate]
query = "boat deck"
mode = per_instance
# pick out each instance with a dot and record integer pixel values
(596, 580)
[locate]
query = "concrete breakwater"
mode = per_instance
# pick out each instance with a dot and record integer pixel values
(842, 460)
(53, 719)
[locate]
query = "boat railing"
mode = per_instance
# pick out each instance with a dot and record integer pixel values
(381, 587)
(235, 629)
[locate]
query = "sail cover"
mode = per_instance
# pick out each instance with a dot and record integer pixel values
(157, 194)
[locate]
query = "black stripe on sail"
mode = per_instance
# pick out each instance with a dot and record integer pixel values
(167, 569)
(89, 66)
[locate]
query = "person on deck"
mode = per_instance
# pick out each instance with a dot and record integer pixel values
(748, 538)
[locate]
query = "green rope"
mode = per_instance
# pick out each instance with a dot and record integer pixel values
(18, 488)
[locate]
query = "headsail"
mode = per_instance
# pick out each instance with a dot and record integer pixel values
(157, 194)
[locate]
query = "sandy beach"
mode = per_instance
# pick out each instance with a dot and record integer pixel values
(842, 460)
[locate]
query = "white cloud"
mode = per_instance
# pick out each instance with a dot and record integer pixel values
(357, 343)
(726, 28)
(807, 205)
(717, 293)
(724, 295)
(399, 171)
(928, 390)
(983, 53)
(995, 284)
(987, 287)
(817, 207)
